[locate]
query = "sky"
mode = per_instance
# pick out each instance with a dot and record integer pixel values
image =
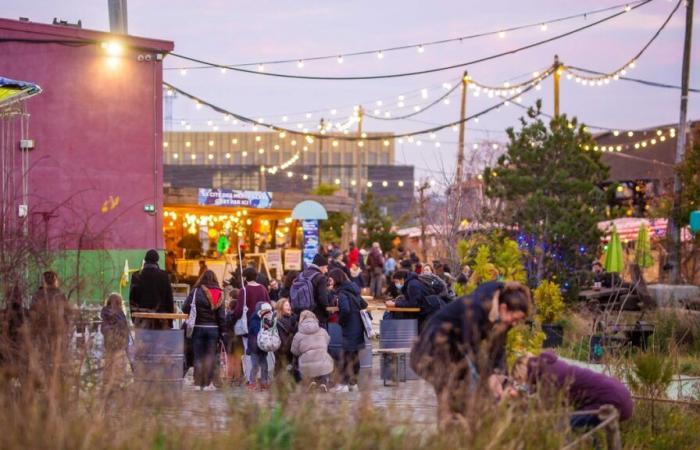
(232, 32)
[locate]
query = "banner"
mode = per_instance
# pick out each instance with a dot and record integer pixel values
(230, 197)
(292, 259)
(311, 245)
(274, 260)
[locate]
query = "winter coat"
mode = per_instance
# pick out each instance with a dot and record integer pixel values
(335, 264)
(321, 294)
(375, 260)
(349, 304)
(286, 327)
(310, 344)
(50, 313)
(354, 257)
(151, 290)
(255, 325)
(459, 339)
(254, 294)
(586, 389)
(208, 312)
(115, 329)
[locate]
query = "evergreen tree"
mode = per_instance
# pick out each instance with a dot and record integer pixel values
(548, 186)
(375, 226)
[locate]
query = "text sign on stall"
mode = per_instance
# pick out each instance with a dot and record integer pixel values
(311, 244)
(274, 259)
(231, 197)
(292, 259)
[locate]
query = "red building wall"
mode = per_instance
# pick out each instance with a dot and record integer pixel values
(97, 129)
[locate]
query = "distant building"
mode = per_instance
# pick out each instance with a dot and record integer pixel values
(278, 162)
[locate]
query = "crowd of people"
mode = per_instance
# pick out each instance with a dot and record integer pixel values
(280, 329)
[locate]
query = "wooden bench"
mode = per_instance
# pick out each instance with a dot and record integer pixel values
(395, 358)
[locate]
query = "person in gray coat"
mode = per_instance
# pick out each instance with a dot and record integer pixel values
(310, 345)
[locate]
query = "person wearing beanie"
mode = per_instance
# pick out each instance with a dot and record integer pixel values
(315, 274)
(151, 291)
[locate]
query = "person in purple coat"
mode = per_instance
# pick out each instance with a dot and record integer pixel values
(584, 388)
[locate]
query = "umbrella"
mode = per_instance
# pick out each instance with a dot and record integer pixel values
(613, 256)
(642, 253)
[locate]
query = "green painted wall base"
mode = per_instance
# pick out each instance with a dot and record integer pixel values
(88, 276)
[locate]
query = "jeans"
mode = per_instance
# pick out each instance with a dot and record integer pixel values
(259, 362)
(376, 283)
(204, 345)
(350, 366)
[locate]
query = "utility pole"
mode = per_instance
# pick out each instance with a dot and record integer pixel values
(557, 77)
(673, 230)
(462, 125)
(422, 216)
(322, 125)
(359, 153)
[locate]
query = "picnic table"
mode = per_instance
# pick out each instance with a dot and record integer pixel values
(590, 294)
(380, 308)
(164, 316)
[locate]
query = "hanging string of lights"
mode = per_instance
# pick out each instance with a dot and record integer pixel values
(300, 63)
(634, 80)
(605, 78)
(420, 48)
(309, 136)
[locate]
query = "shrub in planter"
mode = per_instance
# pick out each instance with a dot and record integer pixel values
(550, 307)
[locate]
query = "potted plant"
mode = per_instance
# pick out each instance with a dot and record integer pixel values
(550, 307)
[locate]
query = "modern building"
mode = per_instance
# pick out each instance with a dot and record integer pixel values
(278, 162)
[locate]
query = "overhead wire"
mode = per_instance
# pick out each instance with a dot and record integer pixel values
(425, 71)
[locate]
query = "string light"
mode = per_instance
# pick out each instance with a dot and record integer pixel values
(300, 64)
(340, 59)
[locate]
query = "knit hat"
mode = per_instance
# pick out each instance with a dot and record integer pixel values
(320, 260)
(152, 256)
(264, 309)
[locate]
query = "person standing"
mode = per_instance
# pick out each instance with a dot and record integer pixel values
(350, 303)
(286, 327)
(115, 330)
(375, 261)
(261, 320)
(353, 255)
(208, 297)
(310, 290)
(461, 350)
(151, 291)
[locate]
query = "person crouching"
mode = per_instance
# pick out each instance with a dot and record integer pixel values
(310, 345)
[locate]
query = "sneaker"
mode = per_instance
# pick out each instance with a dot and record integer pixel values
(210, 388)
(353, 387)
(312, 386)
(323, 388)
(341, 388)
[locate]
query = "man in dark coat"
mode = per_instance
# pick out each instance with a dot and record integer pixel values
(151, 291)
(461, 349)
(413, 293)
(350, 303)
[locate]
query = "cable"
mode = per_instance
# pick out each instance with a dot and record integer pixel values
(636, 80)
(419, 72)
(630, 63)
(426, 44)
(375, 137)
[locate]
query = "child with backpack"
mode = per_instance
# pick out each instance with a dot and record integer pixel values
(262, 320)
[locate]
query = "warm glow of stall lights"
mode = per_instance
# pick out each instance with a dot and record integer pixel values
(337, 181)
(353, 182)
(188, 144)
(386, 142)
(385, 183)
(361, 143)
(400, 183)
(305, 148)
(165, 144)
(234, 141)
(630, 133)
(193, 157)
(211, 156)
(211, 143)
(276, 147)
(175, 156)
(244, 154)
(261, 150)
(369, 184)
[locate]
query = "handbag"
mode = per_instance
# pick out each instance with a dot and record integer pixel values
(366, 321)
(192, 318)
(269, 339)
(240, 328)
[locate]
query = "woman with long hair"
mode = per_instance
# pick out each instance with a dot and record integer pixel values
(207, 296)
(287, 327)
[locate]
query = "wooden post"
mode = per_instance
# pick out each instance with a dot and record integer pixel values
(319, 177)
(557, 77)
(460, 147)
(673, 228)
(359, 153)
(422, 214)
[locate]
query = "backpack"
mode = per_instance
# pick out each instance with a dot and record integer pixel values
(269, 339)
(301, 294)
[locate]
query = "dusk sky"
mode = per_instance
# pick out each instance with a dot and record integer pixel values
(241, 32)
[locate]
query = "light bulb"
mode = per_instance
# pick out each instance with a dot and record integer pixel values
(446, 101)
(369, 184)
(628, 8)
(421, 49)
(380, 54)
(424, 93)
(543, 27)
(183, 72)
(223, 70)
(285, 118)
(176, 156)
(379, 103)
(340, 59)
(300, 64)
(261, 68)
(501, 34)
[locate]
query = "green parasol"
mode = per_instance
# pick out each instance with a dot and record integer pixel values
(642, 253)
(613, 256)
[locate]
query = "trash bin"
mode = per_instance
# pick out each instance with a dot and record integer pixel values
(397, 333)
(158, 361)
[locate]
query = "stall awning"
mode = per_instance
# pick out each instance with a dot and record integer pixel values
(13, 90)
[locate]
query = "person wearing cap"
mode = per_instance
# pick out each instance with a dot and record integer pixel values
(151, 291)
(316, 272)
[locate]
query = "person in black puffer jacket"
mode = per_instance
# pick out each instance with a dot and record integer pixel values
(208, 298)
(349, 305)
